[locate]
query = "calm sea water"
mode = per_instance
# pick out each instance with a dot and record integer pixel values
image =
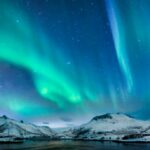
(73, 145)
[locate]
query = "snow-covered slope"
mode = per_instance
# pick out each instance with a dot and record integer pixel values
(113, 127)
(116, 122)
(13, 128)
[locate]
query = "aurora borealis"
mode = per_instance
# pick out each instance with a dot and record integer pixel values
(64, 61)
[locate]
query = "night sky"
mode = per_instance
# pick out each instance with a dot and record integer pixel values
(65, 61)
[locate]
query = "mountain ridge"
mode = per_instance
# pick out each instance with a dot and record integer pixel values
(111, 127)
(118, 127)
(12, 128)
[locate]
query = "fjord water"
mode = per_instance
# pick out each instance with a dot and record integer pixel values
(74, 145)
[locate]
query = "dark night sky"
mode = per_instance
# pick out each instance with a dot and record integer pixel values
(65, 61)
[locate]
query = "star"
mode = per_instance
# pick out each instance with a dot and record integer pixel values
(68, 63)
(17, 21)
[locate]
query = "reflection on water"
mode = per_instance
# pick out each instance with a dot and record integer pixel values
(73, 145)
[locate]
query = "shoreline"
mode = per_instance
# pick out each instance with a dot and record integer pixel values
(86, 140)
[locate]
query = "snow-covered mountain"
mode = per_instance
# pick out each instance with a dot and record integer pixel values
(113, 127)
(116, 127)
(13, 128)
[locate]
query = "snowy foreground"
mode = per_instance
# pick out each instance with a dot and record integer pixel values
(109, 127)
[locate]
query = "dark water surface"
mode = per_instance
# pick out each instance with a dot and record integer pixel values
(74, 145)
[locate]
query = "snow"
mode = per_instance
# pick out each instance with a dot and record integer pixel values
(117, 123)
(112, 127)
(10, 127)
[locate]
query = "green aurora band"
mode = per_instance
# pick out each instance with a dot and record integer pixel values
(89, 83)
(21, 45)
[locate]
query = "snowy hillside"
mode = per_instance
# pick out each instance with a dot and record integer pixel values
(116, 127)
(13, 128)
(116, 122)
(113, 127)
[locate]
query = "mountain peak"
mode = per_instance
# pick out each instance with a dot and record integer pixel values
(4, 117)
(101, 117)
(111, 116)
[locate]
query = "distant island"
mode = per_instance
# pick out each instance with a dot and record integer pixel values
(117, 127)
